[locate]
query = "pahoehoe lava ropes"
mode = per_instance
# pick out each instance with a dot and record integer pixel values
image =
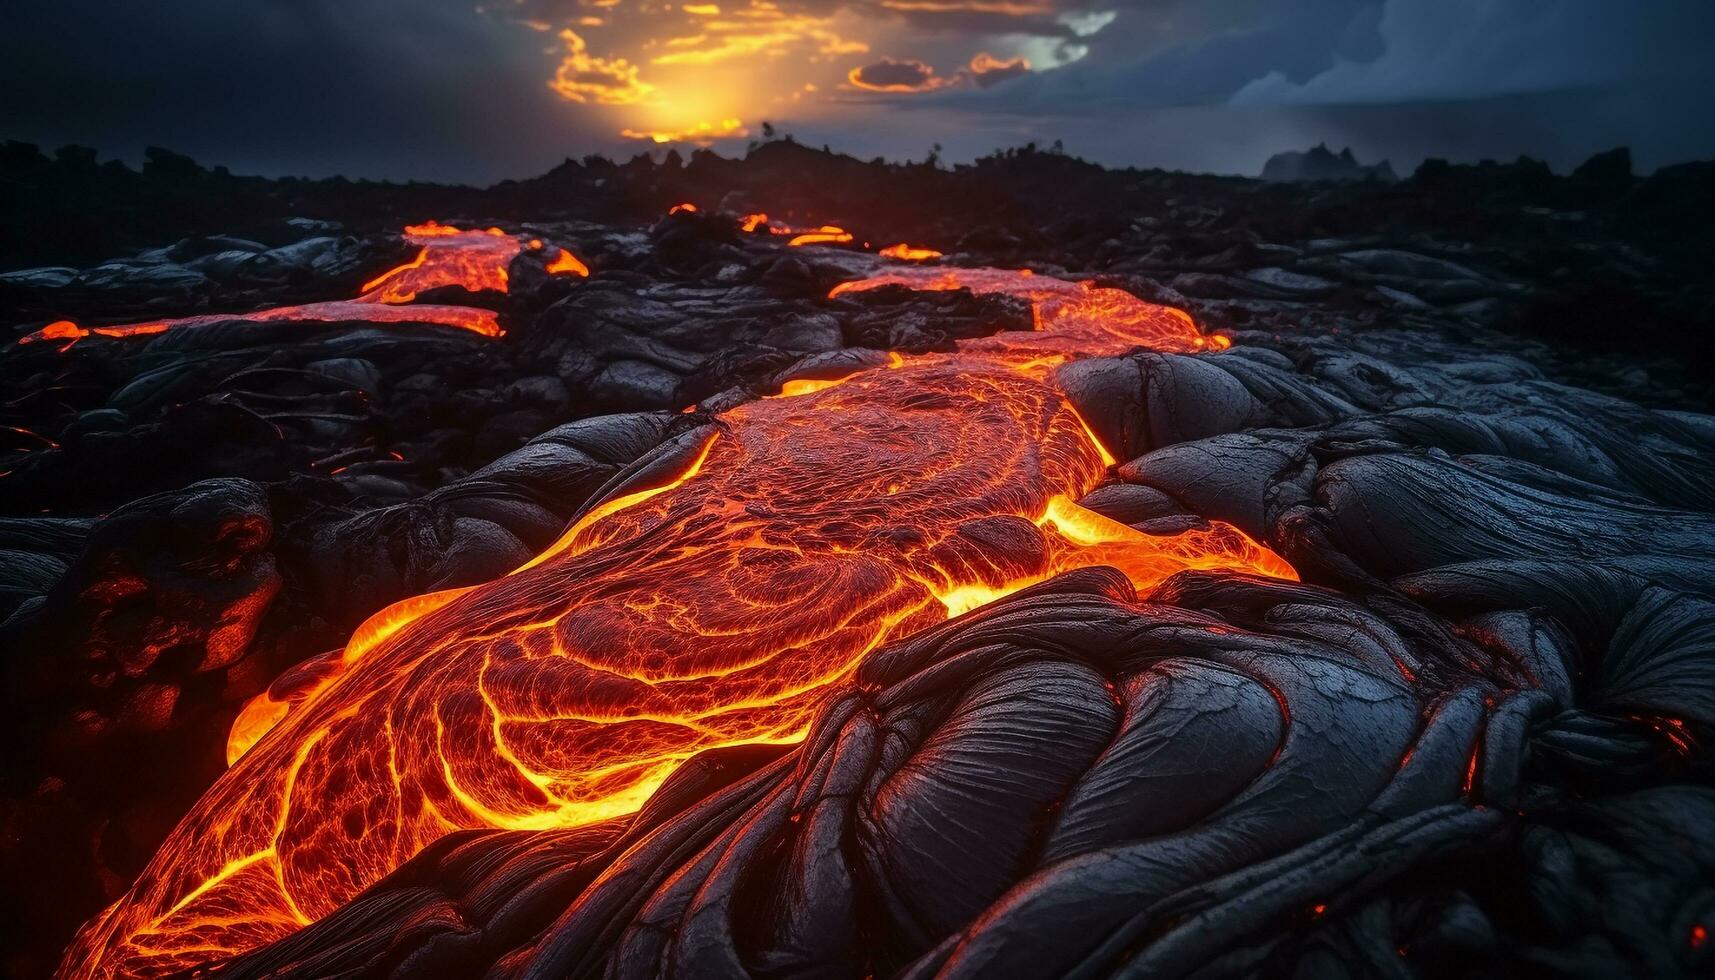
(708, 602)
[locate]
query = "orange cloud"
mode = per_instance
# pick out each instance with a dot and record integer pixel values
(988, 70)
(733, 46)
(908, 75)
(898, 75)
(760, 29)
(583, 77)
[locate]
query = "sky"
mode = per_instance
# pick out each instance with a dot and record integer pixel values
(457, 90)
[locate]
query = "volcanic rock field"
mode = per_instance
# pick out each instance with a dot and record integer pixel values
(798, 566)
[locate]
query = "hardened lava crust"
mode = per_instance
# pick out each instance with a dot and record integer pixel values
(817, 575)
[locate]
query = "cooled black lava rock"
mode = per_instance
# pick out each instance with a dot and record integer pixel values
(1474, 741)
(1321, 163)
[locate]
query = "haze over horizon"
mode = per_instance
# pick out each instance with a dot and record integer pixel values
(444, 90)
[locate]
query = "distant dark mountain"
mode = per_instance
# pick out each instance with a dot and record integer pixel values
(1321, 163)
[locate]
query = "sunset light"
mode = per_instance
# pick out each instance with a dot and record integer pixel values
(703, 73)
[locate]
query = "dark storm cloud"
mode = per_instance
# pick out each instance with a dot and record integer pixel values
(398, 88)
(1464, 49)
(1174, 53)
(1160, 53)
(1404, 78)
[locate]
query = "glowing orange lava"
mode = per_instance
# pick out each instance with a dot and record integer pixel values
(1072, 318)
(825, 235)
(908, 253)
(447, 256)
(474, 260)
(710, 606)
(568, 264)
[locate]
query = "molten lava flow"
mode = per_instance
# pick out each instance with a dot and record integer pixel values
(261, 713)
(64, 330)
(708, 608)
(568, 264)
(447, 256)
(475, 260)
(908, 253)
(465, 317)
(825, 235)
(1072, 318)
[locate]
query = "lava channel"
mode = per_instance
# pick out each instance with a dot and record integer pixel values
(446, 256)
(712, 606)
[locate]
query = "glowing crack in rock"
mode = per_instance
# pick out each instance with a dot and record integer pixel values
(711, 606)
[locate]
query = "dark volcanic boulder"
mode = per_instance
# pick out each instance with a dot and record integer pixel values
(186, 574)
(471, 530)
(112, 682)
(1321, 163)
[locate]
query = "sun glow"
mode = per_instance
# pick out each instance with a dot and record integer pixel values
(702, 133)
(690, 73)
